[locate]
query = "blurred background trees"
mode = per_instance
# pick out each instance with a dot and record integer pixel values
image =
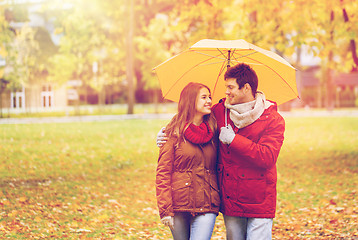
(86, 41)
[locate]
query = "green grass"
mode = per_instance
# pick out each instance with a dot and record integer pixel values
(96, 180)
(318, 168)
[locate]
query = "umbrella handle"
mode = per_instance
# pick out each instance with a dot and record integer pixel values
(228, 65)
(225, 117)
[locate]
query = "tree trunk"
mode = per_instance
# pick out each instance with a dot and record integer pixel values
(102, 98)
(77, 106)
(352, 42)
(338, 104)
(298, 73)
(328, 75)
(129, 70)
(155, 100)
(329, 93)
(1, 104)
(319, 96)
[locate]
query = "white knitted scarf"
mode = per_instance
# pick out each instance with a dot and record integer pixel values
(244, 114)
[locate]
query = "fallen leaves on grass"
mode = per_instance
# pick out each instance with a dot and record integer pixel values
(95, 189)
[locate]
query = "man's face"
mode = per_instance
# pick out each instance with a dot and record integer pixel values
(234, 95)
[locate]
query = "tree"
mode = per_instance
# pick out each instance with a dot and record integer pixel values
(351, 29)
(77, 49)
(332, 35)
(92, 44)
(129, 57)
(170, 27)
(326, 27)
(9, 73)
(28, 49)
(149, 43)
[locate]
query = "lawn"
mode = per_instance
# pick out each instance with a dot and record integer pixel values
(96, 180)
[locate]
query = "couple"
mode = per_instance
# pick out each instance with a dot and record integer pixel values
(220, 158)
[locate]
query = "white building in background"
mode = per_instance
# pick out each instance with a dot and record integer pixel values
(37, 97)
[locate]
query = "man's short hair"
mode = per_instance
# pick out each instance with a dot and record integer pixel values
(243, 74)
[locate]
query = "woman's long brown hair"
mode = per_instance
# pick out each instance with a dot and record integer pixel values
(187, 110)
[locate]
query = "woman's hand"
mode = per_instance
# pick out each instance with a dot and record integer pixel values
(161, 137)
(168, 221)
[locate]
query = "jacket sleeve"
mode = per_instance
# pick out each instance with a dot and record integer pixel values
(265, 152)
(163, 179)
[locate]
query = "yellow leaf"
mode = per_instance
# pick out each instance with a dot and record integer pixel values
(13, 213)
(103, 217)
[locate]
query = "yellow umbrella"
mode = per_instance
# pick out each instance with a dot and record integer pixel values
(207, 60)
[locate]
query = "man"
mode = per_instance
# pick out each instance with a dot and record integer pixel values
(251, 136)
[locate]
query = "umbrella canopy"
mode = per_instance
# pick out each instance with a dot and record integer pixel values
(207, 60)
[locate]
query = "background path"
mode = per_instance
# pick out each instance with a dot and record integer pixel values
(102, 118)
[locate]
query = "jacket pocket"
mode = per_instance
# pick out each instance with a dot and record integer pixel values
(214, 191)
(251, 186)
(181, 191)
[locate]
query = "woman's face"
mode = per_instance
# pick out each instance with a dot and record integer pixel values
(203, 102)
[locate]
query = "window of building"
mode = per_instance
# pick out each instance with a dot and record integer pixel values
(46, 96)
(18, 99)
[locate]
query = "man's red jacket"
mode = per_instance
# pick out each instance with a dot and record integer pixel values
(247, 167)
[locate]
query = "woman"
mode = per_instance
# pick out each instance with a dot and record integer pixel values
(186, 182)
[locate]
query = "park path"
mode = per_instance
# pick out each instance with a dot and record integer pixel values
(84, 118)
(103, 118)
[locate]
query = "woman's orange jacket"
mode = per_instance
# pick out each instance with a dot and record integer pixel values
(186, 179)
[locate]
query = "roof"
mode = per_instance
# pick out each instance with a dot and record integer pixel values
(347, 79)
(310, 79)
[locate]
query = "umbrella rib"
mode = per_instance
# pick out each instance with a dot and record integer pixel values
(217, 79)
(225, 57)
(212, 63)
(221, 58)
(208, 55)
(211, 57)
(242, 56)
(276, 74)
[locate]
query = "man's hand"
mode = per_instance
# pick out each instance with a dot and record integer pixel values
(161, 137)
(227, 134)
(168, 221)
